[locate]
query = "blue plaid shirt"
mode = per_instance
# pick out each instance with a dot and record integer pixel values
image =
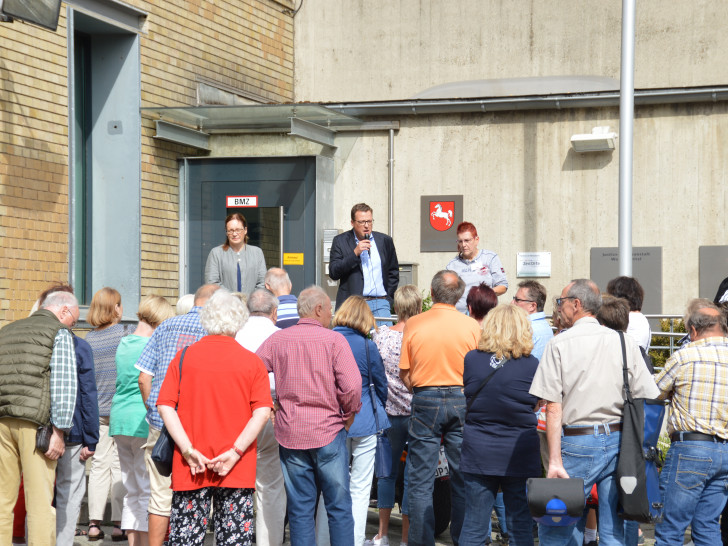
(168, 339)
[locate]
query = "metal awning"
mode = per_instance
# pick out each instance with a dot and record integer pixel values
(193, 125)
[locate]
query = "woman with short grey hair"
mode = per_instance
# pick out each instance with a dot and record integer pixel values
(215, 456)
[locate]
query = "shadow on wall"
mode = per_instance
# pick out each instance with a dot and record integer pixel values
(34, 204)
(587, 161)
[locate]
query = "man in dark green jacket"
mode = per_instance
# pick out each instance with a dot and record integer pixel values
(38, 387)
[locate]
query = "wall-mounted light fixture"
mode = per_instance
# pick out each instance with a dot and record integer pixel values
(601, 139)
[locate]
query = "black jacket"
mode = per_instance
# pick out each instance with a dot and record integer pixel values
(345, 266)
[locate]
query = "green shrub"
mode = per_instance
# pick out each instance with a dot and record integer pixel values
(660, 356)
(426, 301)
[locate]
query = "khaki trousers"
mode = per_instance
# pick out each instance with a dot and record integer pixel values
(105, 477)
(17, 454)
(160, 494)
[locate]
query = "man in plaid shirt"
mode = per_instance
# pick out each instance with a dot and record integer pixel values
(318, 391)
(695, 380)
(37, 387)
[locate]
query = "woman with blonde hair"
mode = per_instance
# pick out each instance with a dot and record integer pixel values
(500, 445)
(407, 304)
(104, 314)
(354, 320)
(128, 425)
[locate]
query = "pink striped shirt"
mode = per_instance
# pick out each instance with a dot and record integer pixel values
(318, 384)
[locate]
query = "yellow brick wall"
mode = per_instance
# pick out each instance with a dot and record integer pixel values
(246, 45)
(33, 164)
(243, 44)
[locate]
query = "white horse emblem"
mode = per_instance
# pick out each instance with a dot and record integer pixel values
(439, 213)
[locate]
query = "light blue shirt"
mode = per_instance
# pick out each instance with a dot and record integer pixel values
(169, 338)
(542, 332)
(371, 264)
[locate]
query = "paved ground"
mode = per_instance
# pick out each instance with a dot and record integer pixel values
(395, 531)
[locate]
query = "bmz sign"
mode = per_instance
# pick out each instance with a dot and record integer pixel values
(237, 201)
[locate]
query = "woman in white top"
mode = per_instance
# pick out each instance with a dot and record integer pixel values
(630, 289)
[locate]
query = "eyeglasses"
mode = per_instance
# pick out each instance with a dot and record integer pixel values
(560, 301)
(234, 231)
(465, 241)
(74, 316)
(365, 222)
(519, 300)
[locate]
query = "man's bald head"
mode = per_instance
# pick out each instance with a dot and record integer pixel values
(705, 319)
(204, 293)
(447, 287)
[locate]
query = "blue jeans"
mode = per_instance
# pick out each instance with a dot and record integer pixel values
(380, 308)
(631, 532)
(594, 459)
(305, 472)
(385, 486)
(481, 492)
(500, 513)
(435, 414)
(693, 488)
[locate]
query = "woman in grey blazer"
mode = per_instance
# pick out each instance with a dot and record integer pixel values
(236, 265)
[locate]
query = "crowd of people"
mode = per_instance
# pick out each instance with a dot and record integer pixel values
(275, 404)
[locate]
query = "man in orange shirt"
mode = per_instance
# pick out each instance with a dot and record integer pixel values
(431, 365)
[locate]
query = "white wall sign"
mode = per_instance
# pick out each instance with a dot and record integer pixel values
(533, 264)
(237, 201)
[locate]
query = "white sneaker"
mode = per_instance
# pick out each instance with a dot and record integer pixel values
(382, 541)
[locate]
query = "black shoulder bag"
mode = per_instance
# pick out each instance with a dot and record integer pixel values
(163, 451)
(637, 475)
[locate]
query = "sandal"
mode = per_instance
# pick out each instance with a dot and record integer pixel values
(98, 536)
(120, 537)
(81, 533)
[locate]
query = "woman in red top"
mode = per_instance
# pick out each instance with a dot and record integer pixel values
(223, 401)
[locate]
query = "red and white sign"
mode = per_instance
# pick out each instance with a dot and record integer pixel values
(442, 214)
(239, 201)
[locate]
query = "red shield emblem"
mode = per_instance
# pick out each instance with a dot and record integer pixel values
(442, 214)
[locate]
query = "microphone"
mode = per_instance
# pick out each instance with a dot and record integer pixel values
(371, 238)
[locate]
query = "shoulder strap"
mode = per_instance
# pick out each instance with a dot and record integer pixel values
(625, 374)
(372, 392)
(483, 384)
(179, 384)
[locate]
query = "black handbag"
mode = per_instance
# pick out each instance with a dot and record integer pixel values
(383, 455)
(43, 438)
(556, 502)
(163, 450)
(637, 473)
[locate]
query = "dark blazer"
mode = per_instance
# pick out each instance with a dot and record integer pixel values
(85, 430)
(345, 266)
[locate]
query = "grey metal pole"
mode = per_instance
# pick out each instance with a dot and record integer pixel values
(391, 182)
(626, 130)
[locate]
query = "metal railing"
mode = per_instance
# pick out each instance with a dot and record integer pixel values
(672, 335)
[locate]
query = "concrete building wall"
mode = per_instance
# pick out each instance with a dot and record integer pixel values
(526, 190)
(244, 47)
(362, 50)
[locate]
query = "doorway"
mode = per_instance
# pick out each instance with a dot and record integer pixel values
(281, 210)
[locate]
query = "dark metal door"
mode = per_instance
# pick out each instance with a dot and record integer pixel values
(282, 222)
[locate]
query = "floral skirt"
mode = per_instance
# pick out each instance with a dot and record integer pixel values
(232, 516)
